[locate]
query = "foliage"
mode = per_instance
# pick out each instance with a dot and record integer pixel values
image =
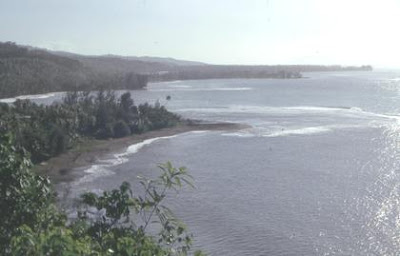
(113, 211)
(32, 71)
(113, 223)
(46, 131)
(25, 198)
(121, 129)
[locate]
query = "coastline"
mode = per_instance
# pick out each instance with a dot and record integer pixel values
(70, 165)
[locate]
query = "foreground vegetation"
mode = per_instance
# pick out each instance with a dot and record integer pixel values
(46, 131)
(111, 223)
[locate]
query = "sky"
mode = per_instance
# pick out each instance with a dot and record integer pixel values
(346, 32)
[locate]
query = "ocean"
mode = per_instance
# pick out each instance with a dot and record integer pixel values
(316, 173)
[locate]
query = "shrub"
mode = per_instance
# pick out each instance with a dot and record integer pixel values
(58, 141)
(24, 196)
(46, 131)
(32, 225)
(121, 129)
(106, 132)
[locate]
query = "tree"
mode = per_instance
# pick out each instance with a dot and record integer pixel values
(47, 131)
(121, 129)
(114, 211)
(126, 101)
(112, 223)
(24, 196)
(57, 141)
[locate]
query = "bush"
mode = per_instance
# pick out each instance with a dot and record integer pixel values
(121, 129)
(32, 225)
(46, 131)
(58, 141)
(106, 132)
(25, 196)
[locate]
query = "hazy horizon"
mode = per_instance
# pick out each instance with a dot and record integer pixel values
(263, 32)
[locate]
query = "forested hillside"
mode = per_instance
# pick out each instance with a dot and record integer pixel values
(31, 71)
(27, 70)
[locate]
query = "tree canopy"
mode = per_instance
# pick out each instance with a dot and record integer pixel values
(111, 223)
(46, 131)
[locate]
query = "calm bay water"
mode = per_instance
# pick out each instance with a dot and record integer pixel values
(316, 174)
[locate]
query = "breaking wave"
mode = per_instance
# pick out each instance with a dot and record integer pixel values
(28, 97)
(198, 89)
(274, 132)
(344, 111)
(102, 169)
(302, 131)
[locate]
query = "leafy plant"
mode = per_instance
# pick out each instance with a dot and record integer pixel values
(25, 198)
(112, 213)
(47, 131)
(113, 223)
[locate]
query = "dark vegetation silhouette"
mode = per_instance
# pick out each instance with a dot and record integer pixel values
(27, 70)
(111, 223)
(46, 131)
(32, 71)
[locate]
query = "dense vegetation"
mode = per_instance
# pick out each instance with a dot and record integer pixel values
(221, 72)
(46, 131)
(30, 71)
(27, 70)
(241, 71)
(111, 223)
(115, 222)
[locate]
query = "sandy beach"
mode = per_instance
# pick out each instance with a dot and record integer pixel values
(70, 165)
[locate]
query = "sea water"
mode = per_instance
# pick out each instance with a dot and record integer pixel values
(315, 173)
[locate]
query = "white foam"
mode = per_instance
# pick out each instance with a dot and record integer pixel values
(199, 89)
(132, 149)
(102, 169)
(274, 131)
(267, 109)
(231, 89)
(180, 86)
(239, 134)
(297, 110)
(94, 172)
(260, 109)
(8, 100)
(169, 82)
(301, 131)
(28, 97)
(199, 132)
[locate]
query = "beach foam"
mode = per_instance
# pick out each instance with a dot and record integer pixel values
(301, 131)
(199, 132)
(102, 169)
(180, 86)
(296, 110)
(136, 147)
(199, 89)
(28, 97)
(239, 134)
(274, 131)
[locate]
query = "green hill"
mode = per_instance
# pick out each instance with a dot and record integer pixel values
(30, 71)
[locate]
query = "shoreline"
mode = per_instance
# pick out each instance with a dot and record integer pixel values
(70, 165)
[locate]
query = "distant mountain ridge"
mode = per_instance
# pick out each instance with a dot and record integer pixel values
(31, 70)
(170, 61)
(162, 60)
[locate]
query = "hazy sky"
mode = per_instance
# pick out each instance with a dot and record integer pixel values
(349, 32)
